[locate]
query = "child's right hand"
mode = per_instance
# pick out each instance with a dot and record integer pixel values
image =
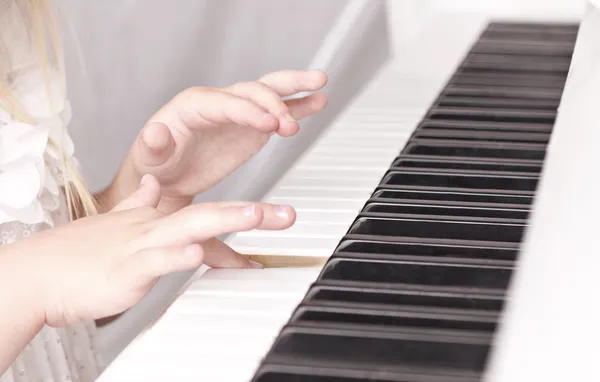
(102, 265)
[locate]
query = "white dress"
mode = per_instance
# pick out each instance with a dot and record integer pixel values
(31, 199)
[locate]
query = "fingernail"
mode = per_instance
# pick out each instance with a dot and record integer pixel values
(255, 265)
(283, 212)
(249, 210)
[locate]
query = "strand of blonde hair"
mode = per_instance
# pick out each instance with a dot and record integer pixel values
(44, 29)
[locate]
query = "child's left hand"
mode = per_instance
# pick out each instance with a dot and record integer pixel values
(204, 134)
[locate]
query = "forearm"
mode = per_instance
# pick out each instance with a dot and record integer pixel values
(22, 317)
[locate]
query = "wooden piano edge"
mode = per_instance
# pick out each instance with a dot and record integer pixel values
(288, 261)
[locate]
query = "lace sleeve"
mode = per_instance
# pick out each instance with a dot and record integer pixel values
(30, 170)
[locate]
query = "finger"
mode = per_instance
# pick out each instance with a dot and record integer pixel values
(289, 82)
(218, 107)
(304, 107)
(270, 101)
(144, 267)
(219, 255)
(147, 195)
(198, 223)
(275, 216)
(155, 145)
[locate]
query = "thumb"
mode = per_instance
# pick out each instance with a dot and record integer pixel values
(155, 144)
(147, 195)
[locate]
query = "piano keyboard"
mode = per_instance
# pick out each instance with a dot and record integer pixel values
(415, 287)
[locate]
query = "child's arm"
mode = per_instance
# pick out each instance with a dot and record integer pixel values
(22, 311)
(102, 265)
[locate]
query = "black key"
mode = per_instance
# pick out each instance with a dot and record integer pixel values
(505, 92)
(487, 115)
(515, 61)
(415, 211)
(405, 164)
(414, 297)
(482, 136)
(544, 35)
(452, 198)
(381, 250)
(293, 373)
(354, 272)
(532, 26)
(493, 104)
(389, 317)
(524, 44)
(483, 67)
(509, 47)
(448, 149)
(373, 349)
(432, 231)
(512, 80)
(429, 180)
(484, 126)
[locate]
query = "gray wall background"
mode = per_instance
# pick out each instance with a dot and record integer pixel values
(138, 54)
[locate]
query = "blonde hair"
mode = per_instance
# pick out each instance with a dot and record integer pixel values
(42, 34)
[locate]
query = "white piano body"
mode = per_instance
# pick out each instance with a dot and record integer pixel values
(551, 327)
(223, 322)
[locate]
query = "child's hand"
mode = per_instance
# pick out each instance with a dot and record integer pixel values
(204, 134)
(102, 265)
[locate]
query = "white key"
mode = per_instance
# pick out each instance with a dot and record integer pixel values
(343, 168)
(365, 182)
(364, 151)
(321, 204)
(370, 142)
(296, 246)
(365, 137)
(335, 161)
(341, 172)
(272, 275)
(186, 368)
(308, 215)
(245, 288)
(304, 229)
(398, 127)
(320, 192)
(196, 322)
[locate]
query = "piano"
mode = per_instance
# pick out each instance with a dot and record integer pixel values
(417, 199)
